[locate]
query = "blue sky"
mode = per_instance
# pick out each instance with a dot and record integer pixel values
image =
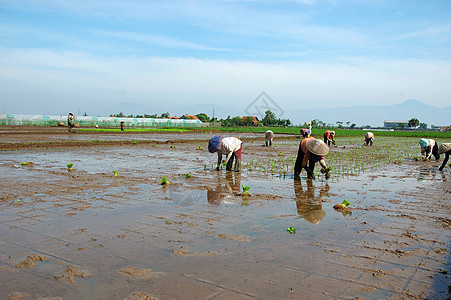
(92, 56)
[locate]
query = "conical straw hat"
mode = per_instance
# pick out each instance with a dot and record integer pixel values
(445, 147)
(317, 147)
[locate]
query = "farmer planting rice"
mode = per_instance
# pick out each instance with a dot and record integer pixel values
(369, 138)
(305, 133)
(329, 137)
(310, 152)
(70, 121)
(429, 147)
(444, 148)
(229, 146)
(269, 136)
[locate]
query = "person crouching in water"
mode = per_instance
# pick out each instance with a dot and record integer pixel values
(329, 137)
(444, 148)
(269, 136)
(369, 138)
(229, 146)
(429, 147)
(310, 152)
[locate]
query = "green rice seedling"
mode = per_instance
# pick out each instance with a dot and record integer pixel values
(69, 166)
(135, 142)
(188, 176)
(291, 230)
(199, 147)
(342, 205)
(26, 163)
(164, 181)
(245, 191)
(116, 173)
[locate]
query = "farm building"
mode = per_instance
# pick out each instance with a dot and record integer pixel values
(87, 121)
(255, 120)
(392, 124)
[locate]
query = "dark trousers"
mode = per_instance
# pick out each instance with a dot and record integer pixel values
(298, 163)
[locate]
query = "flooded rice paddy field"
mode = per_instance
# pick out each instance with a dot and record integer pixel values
(87, 234)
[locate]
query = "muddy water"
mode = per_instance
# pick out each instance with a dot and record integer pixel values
(102, 236)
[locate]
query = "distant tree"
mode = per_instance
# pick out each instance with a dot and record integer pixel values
(85, 114)
(353, 125)
(236, 121)
(423, 126)
(150, 116)
(401, 125)
(269, 119)
(414, 122)
(347, 123)
(339, 124)
(316, 123)
(164, 115)
(203, 117)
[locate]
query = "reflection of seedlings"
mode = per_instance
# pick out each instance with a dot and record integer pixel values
(69, 166)
(343, 205)
(443, 271)
(291, 230)
(164, 181)
(188, 176)
(245, 203)
(116, 173)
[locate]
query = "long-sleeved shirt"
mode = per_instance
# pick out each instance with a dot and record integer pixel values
(228, 146)
(427, 151)
(306, 151)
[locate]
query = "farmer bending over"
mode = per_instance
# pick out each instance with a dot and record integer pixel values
(311, 151)
(269, 136)
(305, 133)
(329, 137)
(444, 148)
(428, 147)
(369, 138)
(229, 146)
(70, 121)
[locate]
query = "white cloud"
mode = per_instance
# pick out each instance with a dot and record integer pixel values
(94, 82)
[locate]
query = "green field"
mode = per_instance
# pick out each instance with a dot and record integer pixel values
(338, 132)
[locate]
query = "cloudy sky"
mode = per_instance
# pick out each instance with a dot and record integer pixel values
(92, 56)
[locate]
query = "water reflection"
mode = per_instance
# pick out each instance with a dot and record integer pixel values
(309, 206)
(226, 190)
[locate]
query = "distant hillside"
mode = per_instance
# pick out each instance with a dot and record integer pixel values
(375, 115)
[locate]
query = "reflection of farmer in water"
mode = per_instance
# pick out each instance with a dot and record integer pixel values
(229, 146)
(309, 206)
(225, 190)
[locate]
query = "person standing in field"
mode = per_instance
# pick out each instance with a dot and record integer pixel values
(122, 126)
(429, 147)
(70, 121)
(369, 138)
(310, 152)
(444, 148)
(329, 137)
(229, 146)
(269, 136)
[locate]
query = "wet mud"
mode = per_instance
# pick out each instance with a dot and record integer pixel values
(88, 234)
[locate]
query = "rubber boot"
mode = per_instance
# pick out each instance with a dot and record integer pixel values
(238, 165)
